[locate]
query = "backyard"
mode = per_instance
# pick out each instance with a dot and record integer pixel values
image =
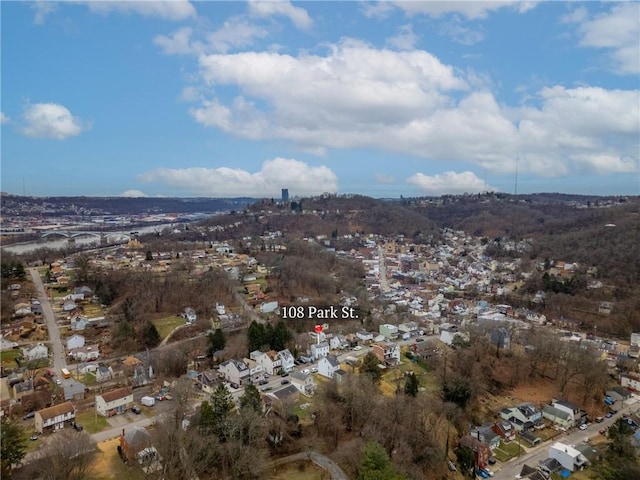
(91, 422)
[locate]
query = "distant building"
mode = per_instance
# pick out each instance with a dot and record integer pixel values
(285, 195)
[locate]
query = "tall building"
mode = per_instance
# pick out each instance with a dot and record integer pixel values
(285, 195)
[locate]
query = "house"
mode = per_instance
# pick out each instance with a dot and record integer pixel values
(256, 371)
(303, 382)
(480, 450)
(319, 350)
(287, 362)
(523, 417)
(387, 353)
(35, 352)
(75, 341)
(486, 435)
(557, 416)
(328, 365)
(281, 400)
(140, 376)
(364, 336)
(630, 380)
(190, 315)
(389, 331)
(74, 390)
(505, 430)
(206, 381)
(568, 456)
(114, 402)
(87, 353)
(576, 415)
(78, 323)
(69, 306)
(234, 371)
(103, 373)
(338, 342)
(7, 344)
(54, 418)
(269, 361)
(134, 441)
(83, 290)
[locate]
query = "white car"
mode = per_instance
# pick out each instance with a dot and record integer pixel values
(357, 348)
(583, 426)
(306, 371)
(58, 382)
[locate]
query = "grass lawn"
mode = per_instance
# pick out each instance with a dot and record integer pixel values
(300, 471)
(512, 448)
(91, 422)
(88, 379)
(396, 376)
(108, 465)
(9, 358)
(92, 310)
(166, 325)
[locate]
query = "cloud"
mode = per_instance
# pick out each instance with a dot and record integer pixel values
(385, 179)
(468, 9)
(133, 194)
(4, 119)
(236, 32)
(459, 33)
(51, 120)
(165, 9)
(617, 31)
(299, 177)
(42, 9)
(409, 102)
(449, 183)
(297, 15)
(178, 43)
(405, 39)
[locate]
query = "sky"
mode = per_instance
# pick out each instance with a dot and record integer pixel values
(228, 99)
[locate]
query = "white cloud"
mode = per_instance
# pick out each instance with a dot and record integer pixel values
(449, 183)
(408, 102)
(468, 9)
(459, 33)
(133, 194)
(165, 9)
(297, 15)
(275, 174)
(42, 9)
(51, 120)
(4, 119)
(385, 179)
(236, 32)
(617, 30)
(178, 43)
(405, 39)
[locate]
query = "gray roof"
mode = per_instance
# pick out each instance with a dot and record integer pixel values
(137, 435)
(285, 392)
(299, 376)
(556, 412)
(333, 360)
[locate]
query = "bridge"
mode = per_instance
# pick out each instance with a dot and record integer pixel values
(71, 235)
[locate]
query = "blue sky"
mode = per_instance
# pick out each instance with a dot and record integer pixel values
(385, 99)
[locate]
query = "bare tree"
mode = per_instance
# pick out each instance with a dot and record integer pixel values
(68, 457)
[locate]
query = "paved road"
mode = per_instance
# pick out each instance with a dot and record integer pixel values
(59, 360)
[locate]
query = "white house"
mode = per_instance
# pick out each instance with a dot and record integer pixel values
(287, 362)
(270, 361)
(328, 365)
(338, 342)
(256, 371)
(319, 350)
(387, 352)
(35, 352)
(75, 341)
(7, 344)
(567, 456)
(571, 409)
(190, 315)
(630, 380)
(54, 417)
(303, 382)
(87, 353)
(114, 402)
(234, 371)
(364, 336)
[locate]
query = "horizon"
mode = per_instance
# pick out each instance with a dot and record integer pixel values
(382, 99)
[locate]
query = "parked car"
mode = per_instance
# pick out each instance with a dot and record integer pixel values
(306, 370)
(609, 415)
(482, 473)
(488, 471)
(613, 411)
(136, 410)
(29, 415)
(314, 370)
(262, 382)
(357, 348)
(602, 431)
(419, 339)
(78, 427)
(583, 426)
(284, 381)
(234, 385)
(58, 381)
(265, 389)
(599, 419)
